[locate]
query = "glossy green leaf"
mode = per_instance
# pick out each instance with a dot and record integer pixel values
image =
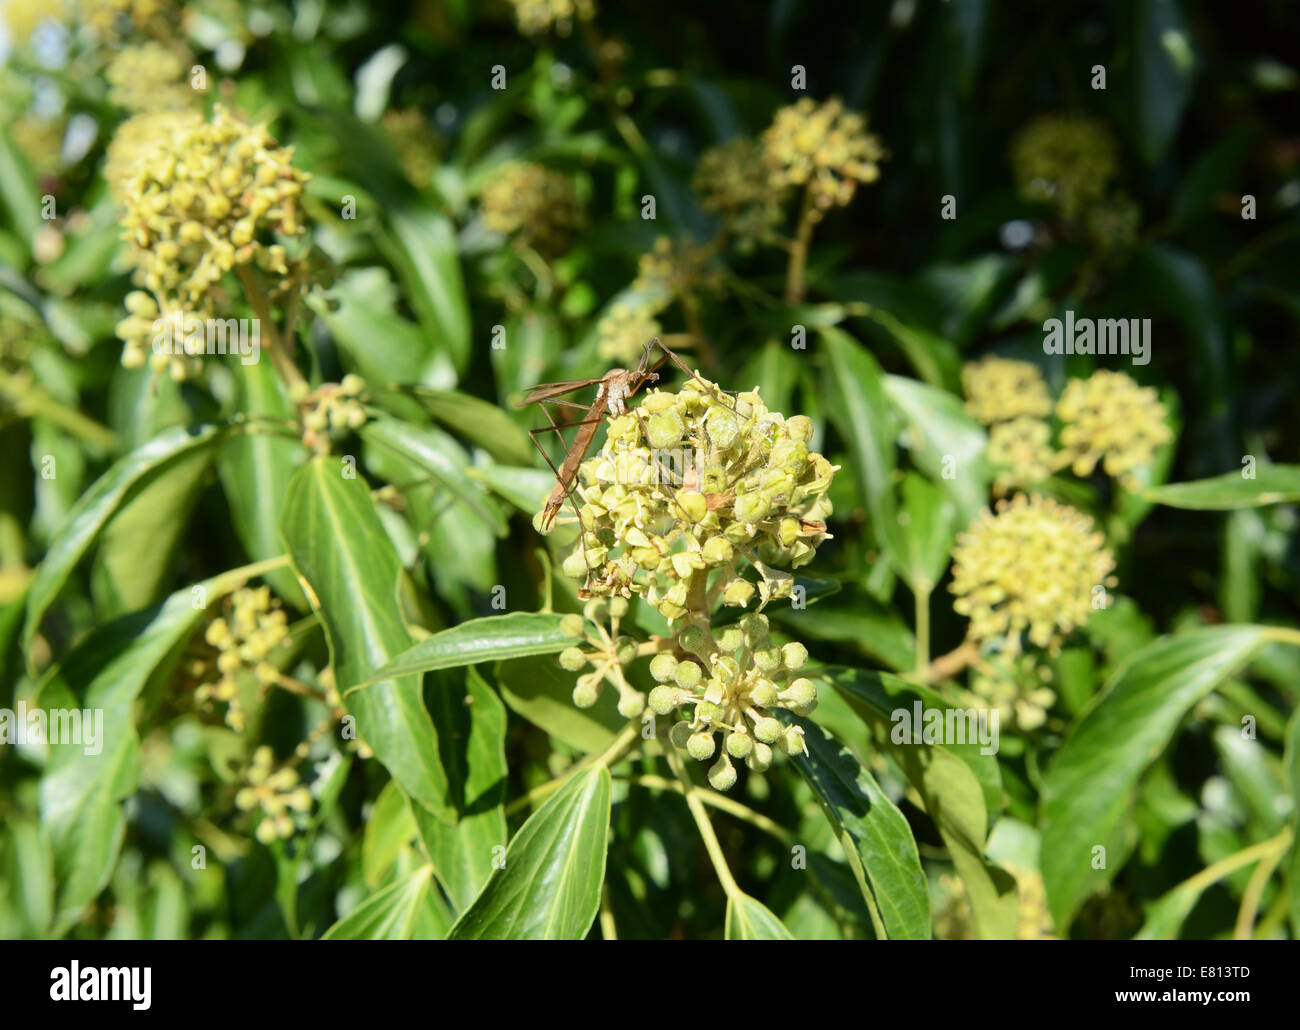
(30, 872)
(408, 909)
(748, 919)
(338, 545)
(81, 793)
(542, 692)
(1089, 784)
(476, 420)
(946, 443)
(876, 837)
(423, 248)
(875, 630)
(861, 413)
(1272, 484)
(550, 886)
(923, 530)
(255, 469)
(473, 721)
(98, 504)
(492, 638)
(389, 828)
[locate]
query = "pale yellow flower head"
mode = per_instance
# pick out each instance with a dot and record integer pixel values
(150, 77)
(252, 628)
(532, 204)
(750, 204)
(1016, 686)
(624, 331)
(1064, 161)
(1020, 452)
(998, 390)
(732, 685)
(1032, 569)
(276, 793)
(1109, 419)
(205, 199)
(537, 16)
(691, 486)
(415, 142)
(824, 147)
(673, 269)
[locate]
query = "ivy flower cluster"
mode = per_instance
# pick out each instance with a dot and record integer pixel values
(150, 77)
(534, 17)
(622, 331)
(823, 147)
(1110, 420)
(242, 640)
(202, 198)
(1064, 161)
(731, 682)
(750, 206)
(1106, 419)
(534, 205)
(1032, 570)
(609, 652)
(276, 793)
(331, 411)
(690, 485)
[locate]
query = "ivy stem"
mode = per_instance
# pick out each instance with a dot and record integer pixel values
(949, 664)
(280, 357)
(607, 927)
(32, 401)
(1250, 898)
(701, 817)
(794, 273)
(718, 801)
(235, 578)
(1214, 873)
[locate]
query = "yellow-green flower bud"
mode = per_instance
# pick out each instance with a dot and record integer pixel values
(701, 746)
(618, 607)
(761, 759)
(730, 640)
(739, 745)
(688, 675)
(801, 696)
(718, 551)
(663, 667)
(763, 693)
(631, 704)
(723, 427)
(572, 626)
(793, 655)
(767, 729)
(755, 627)
(690, 638)
(738, 593)
(767, 658)
(572, 659)
(799, 427)
(695, 506)
(664, 699)
(723, 775)
(751, 507)
(585, 693)
(664, 429)
(679, 735)
(792, 741)
(706, 711)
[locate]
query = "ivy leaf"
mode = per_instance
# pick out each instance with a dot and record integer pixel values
(492, 638)
(1273, 484)
(1090, 783)
(409, 909)
(876, 837)
(550, 886)
(98, 504)
(748, 919)
(477, 421)
(473, 721)
(339, 547)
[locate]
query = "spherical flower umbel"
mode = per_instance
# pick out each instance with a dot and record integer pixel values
(331, 411)
(253, 626)
(751, 206)
(537, 16)
(999, 389)
(205, 199)
(535, 206)
(1109, 419)
(150, 77)
(731, 693)
(1032, 569)
(823, 147)
(609, 653)
(277, 793)
(673, 269)
(623, 330)
(689, 487)
(1020, 452)
(1064, 161)
(1016, 686)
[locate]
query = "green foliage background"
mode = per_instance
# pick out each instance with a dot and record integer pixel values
(161, 488)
